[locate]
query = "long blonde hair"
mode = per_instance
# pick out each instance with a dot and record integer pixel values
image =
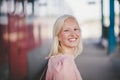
(56, 29)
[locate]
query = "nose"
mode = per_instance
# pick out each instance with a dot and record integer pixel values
(72, 33)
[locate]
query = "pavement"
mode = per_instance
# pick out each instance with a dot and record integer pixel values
(94, 63)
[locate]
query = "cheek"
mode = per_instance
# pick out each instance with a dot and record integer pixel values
(63, 36)
(78, 34)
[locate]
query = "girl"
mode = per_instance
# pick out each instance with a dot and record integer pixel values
(66, 46)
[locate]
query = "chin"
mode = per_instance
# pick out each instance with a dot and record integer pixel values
(73, 46)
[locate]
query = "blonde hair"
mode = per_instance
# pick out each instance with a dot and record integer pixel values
(56, 29)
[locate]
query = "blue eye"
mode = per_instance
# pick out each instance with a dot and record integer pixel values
(76, 29)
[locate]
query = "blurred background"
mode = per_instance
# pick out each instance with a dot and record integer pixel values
(26, 37)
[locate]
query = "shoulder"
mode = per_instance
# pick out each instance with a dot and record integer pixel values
(61, 59)
(56, 59)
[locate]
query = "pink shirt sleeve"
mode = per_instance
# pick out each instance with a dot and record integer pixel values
(62, 68)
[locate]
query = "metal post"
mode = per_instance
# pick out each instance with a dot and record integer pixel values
(119, 28)
(33, 7)
(112, 44)
(102, 19)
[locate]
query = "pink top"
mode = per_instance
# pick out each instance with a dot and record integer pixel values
(62, 67)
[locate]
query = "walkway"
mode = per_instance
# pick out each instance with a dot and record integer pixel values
(93, 63)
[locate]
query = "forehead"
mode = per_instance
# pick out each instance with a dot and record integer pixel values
(70, 22)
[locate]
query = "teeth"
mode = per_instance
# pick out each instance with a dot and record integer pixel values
(72, 39)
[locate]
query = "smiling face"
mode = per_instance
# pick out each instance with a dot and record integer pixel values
(69, 35)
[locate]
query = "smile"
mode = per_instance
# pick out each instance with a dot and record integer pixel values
(72, 39)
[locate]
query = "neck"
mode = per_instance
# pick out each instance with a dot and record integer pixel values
(67, 50)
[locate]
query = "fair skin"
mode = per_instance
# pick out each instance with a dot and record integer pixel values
(69, 36)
